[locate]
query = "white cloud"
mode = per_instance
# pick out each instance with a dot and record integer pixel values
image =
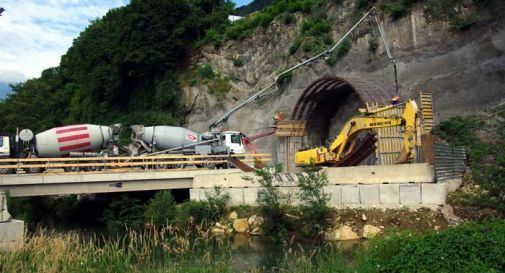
(9, 76)
(34, 34)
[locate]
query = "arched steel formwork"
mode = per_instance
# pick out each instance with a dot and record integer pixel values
(367, 91)
(334, 91)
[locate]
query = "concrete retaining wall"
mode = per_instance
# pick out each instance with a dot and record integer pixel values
(4, 214)
(11, 234)
(341, 196)
(362, 186)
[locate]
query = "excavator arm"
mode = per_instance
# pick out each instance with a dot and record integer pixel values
(346, 140)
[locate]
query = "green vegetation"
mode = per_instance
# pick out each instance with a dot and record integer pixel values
(284, 78)
(161, 210)
(373, 44)
(206, 72)
(343, 48)
(314, 203)
(216, 83)
(398, 8)
(289, 18)
(484, 137)
(470, 247)
(245, 27)
(254, 6)
(204, 213)
(238, 62)
(310, 219)
(467, 248)
(331, 60)
(153, 250)
(272, 203)
(123, 213)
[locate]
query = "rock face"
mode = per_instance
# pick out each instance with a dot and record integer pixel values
(241, 225)
(342, 233)
(370, 231)
(233, 215)
(255, 223)
(454, 66)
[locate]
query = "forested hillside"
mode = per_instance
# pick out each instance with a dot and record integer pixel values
(123, 67)
(252, 7)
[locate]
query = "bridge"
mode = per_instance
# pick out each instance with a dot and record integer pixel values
(21, 185)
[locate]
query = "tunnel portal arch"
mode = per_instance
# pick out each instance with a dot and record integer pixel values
(331, 100)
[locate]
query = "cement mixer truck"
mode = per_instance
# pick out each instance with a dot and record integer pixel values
(82, 140)
(154, 140)
(88, 140)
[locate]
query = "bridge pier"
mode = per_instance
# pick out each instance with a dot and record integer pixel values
(11, 231)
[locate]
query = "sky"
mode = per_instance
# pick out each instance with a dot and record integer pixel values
(35, 33)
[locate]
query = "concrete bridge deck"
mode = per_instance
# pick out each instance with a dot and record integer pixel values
(101, 182)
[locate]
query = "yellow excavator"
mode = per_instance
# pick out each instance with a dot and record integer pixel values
(347, 142)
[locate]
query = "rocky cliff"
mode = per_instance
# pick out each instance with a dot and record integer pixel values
(463, 69)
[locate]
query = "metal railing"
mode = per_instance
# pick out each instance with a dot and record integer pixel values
(450, 162)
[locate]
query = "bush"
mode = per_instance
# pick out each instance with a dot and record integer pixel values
(124, 213)
(314, 203)
(343, 48)
(296, 45)
(206, 71)
(204, 213)
(462, 23)
(395, 9)
(470, 247)
(219, 87)
(331, 60)
(238, 62)
(272, 204)
(284, 78)
(372, 44)
(161, 209)
(289, 18)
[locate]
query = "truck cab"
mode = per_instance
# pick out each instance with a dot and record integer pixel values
(5, 146)
(233, 140)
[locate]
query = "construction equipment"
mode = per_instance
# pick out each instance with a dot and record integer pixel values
(344, 146)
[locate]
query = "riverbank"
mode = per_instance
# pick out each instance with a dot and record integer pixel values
(172, 250)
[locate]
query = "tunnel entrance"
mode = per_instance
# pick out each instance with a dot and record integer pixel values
(330, 101)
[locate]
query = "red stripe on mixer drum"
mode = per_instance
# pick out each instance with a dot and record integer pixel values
(73, 137)
(75, 146)
(71, 129)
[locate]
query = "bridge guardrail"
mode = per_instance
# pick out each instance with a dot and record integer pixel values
(139, 161)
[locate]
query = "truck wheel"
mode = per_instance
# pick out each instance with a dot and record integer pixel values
(34, 170)
(71, 169)
(210, 165)
(93, 168)
(6, 171)
(162, 166)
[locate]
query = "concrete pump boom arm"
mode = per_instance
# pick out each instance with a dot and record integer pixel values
(266, 91)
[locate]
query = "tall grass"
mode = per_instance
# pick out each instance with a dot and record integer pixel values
(152, 250)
